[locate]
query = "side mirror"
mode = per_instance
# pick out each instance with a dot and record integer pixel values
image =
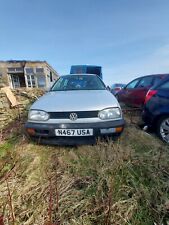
(108, 88)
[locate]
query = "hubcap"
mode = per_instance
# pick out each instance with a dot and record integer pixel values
(164, 130)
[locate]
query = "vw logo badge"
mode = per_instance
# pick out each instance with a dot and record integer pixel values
(73, 116)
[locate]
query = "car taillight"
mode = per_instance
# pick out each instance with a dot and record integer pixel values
(149, 95)
(117, 89)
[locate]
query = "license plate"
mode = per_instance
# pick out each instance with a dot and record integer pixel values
(73, 132)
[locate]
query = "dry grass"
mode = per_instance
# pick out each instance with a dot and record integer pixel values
(123, 182)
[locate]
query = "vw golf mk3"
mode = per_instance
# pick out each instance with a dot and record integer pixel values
(76, 110)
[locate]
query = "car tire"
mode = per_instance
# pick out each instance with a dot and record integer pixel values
(163, 128)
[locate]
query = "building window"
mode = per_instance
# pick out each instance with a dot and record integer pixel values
(11, 69)
(15, 69)
(51, 77)
(15, 81)
(41, 81)
(31, 80)
(39, 70)
(29, 70)
(19, 69)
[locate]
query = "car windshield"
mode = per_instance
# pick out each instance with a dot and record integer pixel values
(78, 82)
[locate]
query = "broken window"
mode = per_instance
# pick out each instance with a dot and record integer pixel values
(15, 69)
(29, 70)
(39, 70)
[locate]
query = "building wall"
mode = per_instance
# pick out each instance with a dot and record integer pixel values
(40, 77)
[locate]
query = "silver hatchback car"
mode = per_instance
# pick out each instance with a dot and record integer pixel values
(76, 110)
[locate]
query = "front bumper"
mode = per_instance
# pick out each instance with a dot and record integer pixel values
(45, 133)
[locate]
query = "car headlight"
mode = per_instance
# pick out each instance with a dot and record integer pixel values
(110, 113)
(38, 115)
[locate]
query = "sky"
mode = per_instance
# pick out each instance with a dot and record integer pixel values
(128, 38)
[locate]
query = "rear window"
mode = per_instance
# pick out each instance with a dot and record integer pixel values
(165, 85)
(158, 79)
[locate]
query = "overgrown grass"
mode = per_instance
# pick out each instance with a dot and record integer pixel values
(123, 182)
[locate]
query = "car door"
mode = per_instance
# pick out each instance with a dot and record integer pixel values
(159, 102)
(163, 96)
(140, 91)
(126, 94)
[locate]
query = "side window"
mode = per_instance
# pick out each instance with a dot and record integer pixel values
(145, 82)
(60, 84)
(158, 79)
(164, 86)
(132, 84)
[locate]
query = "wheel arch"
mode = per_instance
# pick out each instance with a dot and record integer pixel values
(158, 117)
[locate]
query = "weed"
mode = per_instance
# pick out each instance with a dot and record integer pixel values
(123, 182)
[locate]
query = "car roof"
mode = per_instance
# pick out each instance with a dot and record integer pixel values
(79, 74)
(163, 74)
(86, 65)
(151, 75)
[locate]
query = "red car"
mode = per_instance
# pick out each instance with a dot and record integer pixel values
(133, 94)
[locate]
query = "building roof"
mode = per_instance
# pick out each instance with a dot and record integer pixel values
(20, 61)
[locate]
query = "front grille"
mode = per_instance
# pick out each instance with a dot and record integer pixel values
(80, 114)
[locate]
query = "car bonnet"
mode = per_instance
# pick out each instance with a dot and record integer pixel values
(86, 100)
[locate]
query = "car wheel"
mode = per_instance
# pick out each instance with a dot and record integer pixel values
(163, 128)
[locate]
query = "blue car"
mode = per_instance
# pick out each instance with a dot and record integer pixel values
(156, 109)
(86, 69)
